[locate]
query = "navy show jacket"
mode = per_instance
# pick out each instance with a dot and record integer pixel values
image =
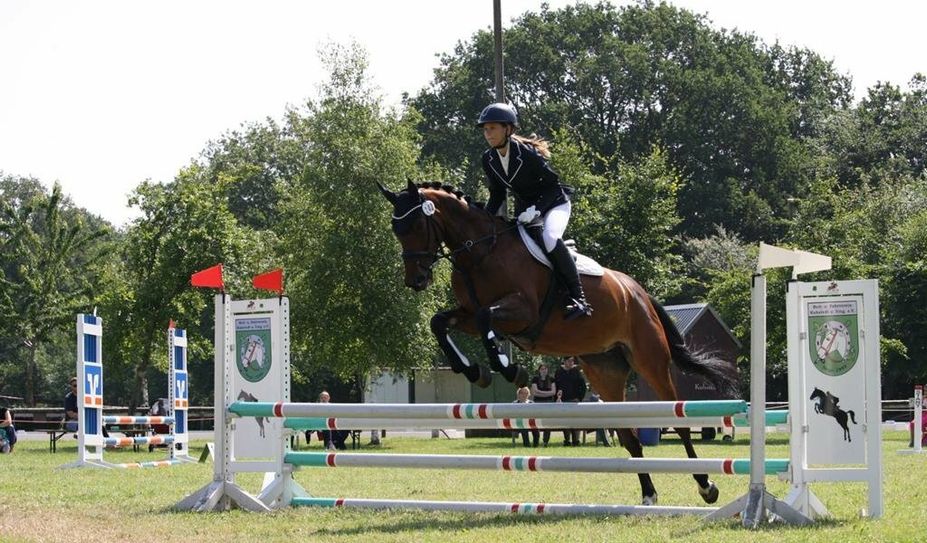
(530, 178)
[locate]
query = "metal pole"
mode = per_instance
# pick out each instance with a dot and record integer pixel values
(497, 33)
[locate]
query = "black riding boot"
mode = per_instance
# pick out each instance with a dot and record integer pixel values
(564, 265)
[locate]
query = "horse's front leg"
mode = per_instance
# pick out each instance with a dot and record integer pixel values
(510, 307)
(440, 324)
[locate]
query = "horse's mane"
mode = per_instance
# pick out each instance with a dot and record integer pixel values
(450, 189)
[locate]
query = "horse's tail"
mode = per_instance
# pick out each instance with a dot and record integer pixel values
(718, 371)
(852, 416)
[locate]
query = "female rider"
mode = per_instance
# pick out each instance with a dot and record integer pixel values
(520, 164)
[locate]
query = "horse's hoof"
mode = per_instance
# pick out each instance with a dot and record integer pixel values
(650, 500)
(484, 378)
(710, 494)
(517, 375)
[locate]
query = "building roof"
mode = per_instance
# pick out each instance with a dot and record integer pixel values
(686, 315)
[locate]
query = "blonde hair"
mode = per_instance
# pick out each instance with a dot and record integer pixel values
(541, 145)
(523, 390)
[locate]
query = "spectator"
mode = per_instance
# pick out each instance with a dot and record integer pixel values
(70, 406)
(543, 390)
(571, 387)
(70, 409)
(523, 395)
(331, 439)
(7, 431)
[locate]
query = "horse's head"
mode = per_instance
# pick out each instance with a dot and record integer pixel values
(418, 233)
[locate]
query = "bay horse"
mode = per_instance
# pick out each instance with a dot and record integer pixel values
(500, 290)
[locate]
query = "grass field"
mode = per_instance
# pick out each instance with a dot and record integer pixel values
(39, 502)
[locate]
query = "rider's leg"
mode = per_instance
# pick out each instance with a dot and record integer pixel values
(555, 223)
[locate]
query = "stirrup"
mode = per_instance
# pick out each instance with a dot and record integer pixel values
(577, 308)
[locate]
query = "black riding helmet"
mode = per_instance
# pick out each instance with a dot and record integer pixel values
(498, 113)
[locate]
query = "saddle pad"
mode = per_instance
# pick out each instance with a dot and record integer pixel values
(584, 264)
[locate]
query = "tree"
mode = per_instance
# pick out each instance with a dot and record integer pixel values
(48, 272)
(351, 311)
(731, 113)
(185, 226)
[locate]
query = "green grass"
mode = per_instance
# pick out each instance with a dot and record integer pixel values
(39, 502)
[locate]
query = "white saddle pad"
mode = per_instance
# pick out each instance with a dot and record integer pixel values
(584, 264)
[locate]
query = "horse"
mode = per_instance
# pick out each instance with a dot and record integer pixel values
(501, 289)
(827, 405)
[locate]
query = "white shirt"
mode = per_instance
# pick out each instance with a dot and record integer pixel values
(504, 160)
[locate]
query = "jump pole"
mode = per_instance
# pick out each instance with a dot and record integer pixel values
(773, 418)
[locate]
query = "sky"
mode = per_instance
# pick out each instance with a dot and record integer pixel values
(101, 95)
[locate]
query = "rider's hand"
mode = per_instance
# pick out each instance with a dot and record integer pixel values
(528, 215)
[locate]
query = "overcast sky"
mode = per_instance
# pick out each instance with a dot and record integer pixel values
(101, 95)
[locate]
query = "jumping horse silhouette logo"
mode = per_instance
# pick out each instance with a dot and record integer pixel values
(827, 405)
(244, 396)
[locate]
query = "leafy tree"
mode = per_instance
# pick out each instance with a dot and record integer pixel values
(626, 217)
(351, 310)
(730, 112)
(48, 271)
(185, 226)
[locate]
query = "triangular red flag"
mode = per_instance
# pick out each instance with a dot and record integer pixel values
(209, 278)
(272, 280)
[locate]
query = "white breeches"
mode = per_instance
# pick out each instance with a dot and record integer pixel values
(555, 223)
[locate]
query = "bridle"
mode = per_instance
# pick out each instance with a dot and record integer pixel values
(442, 251)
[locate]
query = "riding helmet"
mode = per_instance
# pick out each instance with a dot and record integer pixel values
(498, 113)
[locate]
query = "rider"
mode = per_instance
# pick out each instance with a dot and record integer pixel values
(519, 164)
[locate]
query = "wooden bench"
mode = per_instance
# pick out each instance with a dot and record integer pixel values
(53, 425)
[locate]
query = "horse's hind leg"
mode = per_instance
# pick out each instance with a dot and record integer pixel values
(608, 374)
(650, 348)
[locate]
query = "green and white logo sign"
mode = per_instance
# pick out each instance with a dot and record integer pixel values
(253, 348)
(833, 329)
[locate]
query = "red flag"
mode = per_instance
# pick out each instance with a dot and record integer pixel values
(209, 278)
(272, 280)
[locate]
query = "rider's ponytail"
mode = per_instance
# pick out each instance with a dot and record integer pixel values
(541, 145)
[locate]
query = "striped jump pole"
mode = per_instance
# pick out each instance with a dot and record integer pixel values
(725, 466)
(151, 464)
(349, 423)
(705, 408)
(503, 507)
(140, 440)
(137, 420)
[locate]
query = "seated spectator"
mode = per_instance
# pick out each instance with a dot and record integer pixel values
(331, 439)
(70, 406)
(523, 395)
(70, 409)
(7, 431)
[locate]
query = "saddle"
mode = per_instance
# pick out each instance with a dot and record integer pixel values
(584, 265)
(531, 237)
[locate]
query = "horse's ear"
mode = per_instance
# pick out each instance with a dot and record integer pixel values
(388, 194)
(411, 186)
